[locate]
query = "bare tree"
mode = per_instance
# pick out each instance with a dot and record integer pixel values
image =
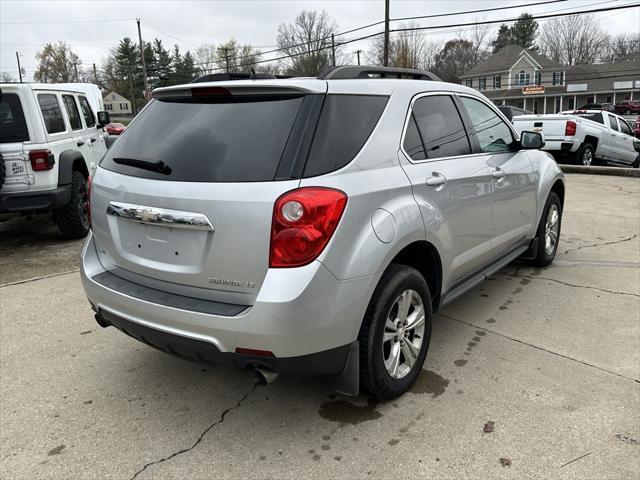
(482, 40)
(620, 45)
(456, 57)
(205, 57)
(307, 42)
(6, 77)
(56, 64)
(573, 40)
(407, 49)
(233, 57)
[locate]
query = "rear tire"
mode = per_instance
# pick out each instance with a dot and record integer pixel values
(636, 164)
(73, 218)
(401, 299)
(585, 155)
(549, 231)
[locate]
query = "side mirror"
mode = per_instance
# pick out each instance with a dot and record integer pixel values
(109, 140)
(531, 140)
(103, 118)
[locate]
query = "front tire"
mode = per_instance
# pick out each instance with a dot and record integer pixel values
(395, 333)
(548, 235)
(73, 219)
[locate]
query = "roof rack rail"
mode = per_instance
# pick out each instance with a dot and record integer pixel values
(223, 77)
(345, 72)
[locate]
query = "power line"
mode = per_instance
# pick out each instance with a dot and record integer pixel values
(44, 22)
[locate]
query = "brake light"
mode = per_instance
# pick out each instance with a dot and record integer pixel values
(210, 92)
(570, 128)
(41, 160)
(303, 222)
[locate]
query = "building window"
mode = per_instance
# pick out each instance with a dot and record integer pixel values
(123, 106)
(468, 82)
(522, 79)
(482, 83)
(497, 79)
(538, 78)
(558, 78)
(108, 106)
(609, 98)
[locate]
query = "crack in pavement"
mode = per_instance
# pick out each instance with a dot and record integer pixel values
(600, 244)
(536, 277)
(205, 431)
(513, 339)
(44, 277)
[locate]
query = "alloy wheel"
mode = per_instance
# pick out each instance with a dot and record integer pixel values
(403, 334)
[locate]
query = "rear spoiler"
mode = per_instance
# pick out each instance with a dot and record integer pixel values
(241, 87)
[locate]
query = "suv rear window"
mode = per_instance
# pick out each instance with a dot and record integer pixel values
(240, 140)
(345, 124)
(13, 127)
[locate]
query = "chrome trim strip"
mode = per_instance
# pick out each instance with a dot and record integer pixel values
(159, 216)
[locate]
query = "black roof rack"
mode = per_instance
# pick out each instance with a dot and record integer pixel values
(222, 77)
(345, 72)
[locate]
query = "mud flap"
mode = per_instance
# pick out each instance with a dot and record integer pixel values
(531, 252)
(348, 381)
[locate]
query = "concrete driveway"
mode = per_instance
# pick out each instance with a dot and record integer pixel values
(551, 356)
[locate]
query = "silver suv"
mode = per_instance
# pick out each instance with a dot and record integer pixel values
(312, 225)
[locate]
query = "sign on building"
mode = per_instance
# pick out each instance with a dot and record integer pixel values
(533, 90)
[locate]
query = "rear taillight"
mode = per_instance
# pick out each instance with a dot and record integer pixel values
(570, 128)
(41, 160)
(303, 222)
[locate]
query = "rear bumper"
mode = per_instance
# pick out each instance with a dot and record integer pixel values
(327, 362)
(298, 312)
(561, 146)
(35, 201)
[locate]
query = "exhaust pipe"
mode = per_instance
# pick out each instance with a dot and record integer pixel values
(101, 320)
(265, 376)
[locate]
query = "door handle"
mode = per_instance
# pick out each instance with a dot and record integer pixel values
(498, 173)
(436, 180)
(80, 143)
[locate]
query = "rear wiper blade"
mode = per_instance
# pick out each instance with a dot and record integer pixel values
(158, 166)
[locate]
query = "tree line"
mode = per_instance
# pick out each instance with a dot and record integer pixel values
(304, 47)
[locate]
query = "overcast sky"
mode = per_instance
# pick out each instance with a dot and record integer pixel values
(91, 28)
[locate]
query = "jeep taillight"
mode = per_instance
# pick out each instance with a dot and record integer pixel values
(41, 160)
(570, 128)
(303, 222)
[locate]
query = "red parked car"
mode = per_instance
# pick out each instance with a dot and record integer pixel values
(115, 128)
(636, 128)
(628, 106)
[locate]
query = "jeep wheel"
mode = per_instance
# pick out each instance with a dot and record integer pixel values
(73, 218)
(395, 334)
(549, 231)
(585, 155)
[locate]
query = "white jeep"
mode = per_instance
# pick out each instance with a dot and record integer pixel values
(50, 145)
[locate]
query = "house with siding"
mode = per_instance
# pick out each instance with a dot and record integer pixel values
(116, 104)
(524, 78)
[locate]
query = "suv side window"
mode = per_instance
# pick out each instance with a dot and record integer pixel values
(439, 128)
(613, 123)
(89, 117)
(625, 128)
(412, 144)
(493, 133)
(72, 111)
(51, 113)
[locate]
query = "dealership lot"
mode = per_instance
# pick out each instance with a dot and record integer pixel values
(551, 356)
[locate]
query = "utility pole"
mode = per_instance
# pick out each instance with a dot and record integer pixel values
(358, 54)
(333, 50)
(75, 69)
(144, 66)
(95, 74)
(133, 92)
(385, 60)
(19, 69)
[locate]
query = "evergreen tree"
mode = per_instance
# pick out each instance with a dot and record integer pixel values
(523, 33)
